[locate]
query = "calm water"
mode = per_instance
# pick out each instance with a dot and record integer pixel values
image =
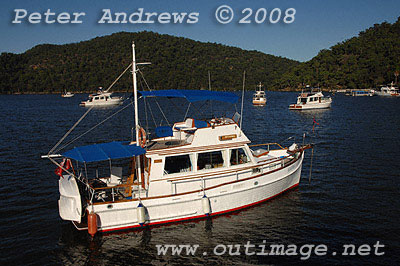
(353, 197)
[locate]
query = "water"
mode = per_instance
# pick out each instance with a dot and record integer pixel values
(352, 198)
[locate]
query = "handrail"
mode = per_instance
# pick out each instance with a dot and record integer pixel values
(197, 178)
(208, 177)
(268, 144)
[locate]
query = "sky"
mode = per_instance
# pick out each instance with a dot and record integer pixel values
(316, 25)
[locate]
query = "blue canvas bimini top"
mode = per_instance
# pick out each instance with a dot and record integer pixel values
(103, 152)
(193, 95)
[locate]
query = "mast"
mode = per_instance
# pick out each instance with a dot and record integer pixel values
(241, 110)
(135, 93)
(139, 170)
(209, 88)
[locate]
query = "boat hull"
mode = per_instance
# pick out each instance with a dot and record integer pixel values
(387, 94)
(260, 102)
(103, 103)
(224, 198)
(310, 106)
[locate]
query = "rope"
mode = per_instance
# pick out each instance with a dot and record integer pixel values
(312, 155)
(95, 126)
(145, 114)
(151, 113)
(159, 107)
(115, 81)
(69, 131)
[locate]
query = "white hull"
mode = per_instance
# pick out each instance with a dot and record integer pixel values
(67, 95)
(310, 106)
(236, 192)
(386, 94)
(103, 103)
(261, 101)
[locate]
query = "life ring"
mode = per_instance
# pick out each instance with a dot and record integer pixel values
(142, 137)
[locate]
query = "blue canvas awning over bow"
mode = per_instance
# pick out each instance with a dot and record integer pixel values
(193, 95)
(103, 152)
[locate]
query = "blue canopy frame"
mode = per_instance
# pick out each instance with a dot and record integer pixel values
(104, 151)
(193, 95)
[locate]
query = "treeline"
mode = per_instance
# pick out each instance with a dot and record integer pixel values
(176, 63)
(366, 61)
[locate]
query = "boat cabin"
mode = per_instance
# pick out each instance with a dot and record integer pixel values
(188, 149)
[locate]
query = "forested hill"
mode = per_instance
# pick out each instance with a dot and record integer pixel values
(176, 63)
(365, 61)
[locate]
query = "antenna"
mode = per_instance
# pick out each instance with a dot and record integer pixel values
(241, 111)
(209, 88)
(209, 81)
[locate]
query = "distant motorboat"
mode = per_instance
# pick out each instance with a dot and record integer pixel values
(102, 98)
(358, 93)
(67, 94)
(259, 97)
(311, 99)
(388, 91)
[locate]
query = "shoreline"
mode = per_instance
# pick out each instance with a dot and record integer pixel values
(85, 92)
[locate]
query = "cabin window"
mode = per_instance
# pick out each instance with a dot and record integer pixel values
(102, 98)
(238, 156)
(209, 160)
(96, 98)
(177, 164)
(304, 100)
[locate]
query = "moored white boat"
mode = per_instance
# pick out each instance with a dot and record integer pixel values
(67, 94)
(192, 169)
(259, 97)
(390, 91)
(311, 100)
(359, 93)
(102, 98)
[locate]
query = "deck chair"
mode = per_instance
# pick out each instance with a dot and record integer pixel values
(115, 177)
